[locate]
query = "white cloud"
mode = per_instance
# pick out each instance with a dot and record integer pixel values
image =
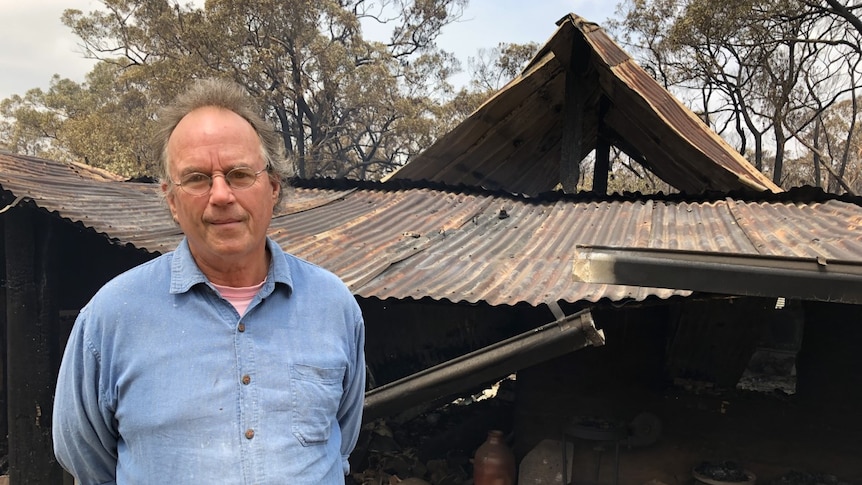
(34, 45)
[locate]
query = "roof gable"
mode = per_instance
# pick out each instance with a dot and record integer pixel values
(516, 139)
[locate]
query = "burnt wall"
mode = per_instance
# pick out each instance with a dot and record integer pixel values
(404, 337)
(829, 364)
(88, 261)
(49, 269)
(712, 341)
(679, 361)
(613, 381)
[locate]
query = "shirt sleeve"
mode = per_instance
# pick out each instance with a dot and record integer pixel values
(350, 411)
(85, 438)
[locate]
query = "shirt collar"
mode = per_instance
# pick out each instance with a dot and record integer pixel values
(186, 274)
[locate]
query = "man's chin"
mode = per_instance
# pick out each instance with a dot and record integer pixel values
(226, 244)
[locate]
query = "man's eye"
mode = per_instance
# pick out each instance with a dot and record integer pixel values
(195, 178)
(240, 175)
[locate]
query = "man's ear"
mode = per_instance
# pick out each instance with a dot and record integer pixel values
(170, 198)
(276, 189)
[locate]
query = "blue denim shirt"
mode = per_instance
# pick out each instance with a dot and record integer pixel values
(162, 381)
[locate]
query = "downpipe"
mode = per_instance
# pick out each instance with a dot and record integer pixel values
(461, 374)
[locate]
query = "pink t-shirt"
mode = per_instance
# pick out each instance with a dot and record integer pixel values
(239, 297)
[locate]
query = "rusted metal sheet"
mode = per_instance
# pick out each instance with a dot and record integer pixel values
(811, 278)
(488, 149)
(417, 240)
(37, 167)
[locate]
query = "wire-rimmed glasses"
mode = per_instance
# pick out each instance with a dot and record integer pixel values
(199, 184)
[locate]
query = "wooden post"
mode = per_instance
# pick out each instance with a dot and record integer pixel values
(603, 162)
(574, 54)
(32, 349)
(571, 144)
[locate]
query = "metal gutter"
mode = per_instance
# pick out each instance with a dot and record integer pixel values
(733, 274)
(566, 334)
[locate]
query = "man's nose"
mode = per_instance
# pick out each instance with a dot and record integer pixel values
(220, 188)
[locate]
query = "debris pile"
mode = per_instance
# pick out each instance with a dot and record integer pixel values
(722, 472)
(434, 447)
(807, 478)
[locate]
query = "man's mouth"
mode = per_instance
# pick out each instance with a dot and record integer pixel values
(224, 222)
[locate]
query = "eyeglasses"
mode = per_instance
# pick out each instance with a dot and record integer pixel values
(198, 184)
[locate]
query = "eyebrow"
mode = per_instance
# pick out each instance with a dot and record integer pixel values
(193, 169)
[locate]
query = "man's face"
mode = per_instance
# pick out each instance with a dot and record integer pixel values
(227, 226)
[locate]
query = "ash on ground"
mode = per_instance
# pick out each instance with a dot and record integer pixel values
(807, 478)
(436, 446)
(770, 370)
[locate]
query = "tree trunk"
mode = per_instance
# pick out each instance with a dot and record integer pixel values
(779, 151)
(845, 157)
(816, 155)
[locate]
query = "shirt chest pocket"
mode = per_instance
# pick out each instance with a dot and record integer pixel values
(316, 394)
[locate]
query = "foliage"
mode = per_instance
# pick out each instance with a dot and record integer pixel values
(88, 122)
(765, 75)
(492, 68)
(777, 79)
(344, 105)
(835, 154)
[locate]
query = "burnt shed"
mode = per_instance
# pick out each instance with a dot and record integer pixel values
(439, 272)
(465, 248)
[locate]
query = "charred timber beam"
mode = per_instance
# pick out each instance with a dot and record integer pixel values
(747, 275)
(571, 144)
(603, 165)
(574, 54)
(565, 335)
(603, 150)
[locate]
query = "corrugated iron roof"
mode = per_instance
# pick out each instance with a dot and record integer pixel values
(512, 142)
(419, 240)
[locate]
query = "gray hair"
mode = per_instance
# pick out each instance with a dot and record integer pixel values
(221, 93)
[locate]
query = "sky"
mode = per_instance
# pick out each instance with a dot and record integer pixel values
(35, 45)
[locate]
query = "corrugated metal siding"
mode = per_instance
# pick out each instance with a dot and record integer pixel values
(420, 241)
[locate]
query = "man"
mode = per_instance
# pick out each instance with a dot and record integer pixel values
(226, 361)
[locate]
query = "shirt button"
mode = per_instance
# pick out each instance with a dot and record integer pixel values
(249, 433)
(246, 379)
(241, 327)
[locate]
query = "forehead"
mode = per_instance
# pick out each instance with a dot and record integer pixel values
(213, 136)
